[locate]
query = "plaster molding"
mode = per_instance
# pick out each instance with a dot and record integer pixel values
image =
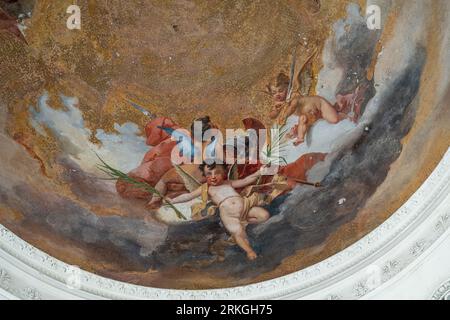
(393, 249)
(443, 292)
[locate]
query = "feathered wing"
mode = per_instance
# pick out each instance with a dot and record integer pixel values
(190, 182)
(304, 77)
(304, 83)
(233, 173)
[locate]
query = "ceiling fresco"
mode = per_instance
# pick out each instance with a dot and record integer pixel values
(197, 145)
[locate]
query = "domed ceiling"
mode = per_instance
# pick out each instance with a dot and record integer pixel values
(95, 105)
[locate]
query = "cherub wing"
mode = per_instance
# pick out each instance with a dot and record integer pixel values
(304, 77)
(233, 173)
(190, 182)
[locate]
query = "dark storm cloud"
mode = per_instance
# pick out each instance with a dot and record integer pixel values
(133, 237)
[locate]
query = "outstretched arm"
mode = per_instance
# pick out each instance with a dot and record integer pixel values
(187, 197)
(242, 183)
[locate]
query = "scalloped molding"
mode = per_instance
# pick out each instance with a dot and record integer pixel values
(393, 251)
(443, 293)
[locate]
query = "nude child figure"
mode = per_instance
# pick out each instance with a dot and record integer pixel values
(236, 212)
(309, 109)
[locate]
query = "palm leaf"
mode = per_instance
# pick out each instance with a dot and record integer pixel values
(276, 145)
(115, 174)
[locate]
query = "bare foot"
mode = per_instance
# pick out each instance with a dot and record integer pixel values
(252, 256)
(298, 142)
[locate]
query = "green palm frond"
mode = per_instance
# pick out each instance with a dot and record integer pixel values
(276, 145)
(116, 175)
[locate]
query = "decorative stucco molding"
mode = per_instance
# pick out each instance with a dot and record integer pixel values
(443, 293)
(362, 270)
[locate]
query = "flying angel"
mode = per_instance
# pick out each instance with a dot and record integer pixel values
(294, 95)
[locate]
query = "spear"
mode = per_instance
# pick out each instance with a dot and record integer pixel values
(292, 75)
(140, 109)
(314, 184)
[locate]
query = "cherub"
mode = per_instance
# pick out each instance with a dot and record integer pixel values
(309, 109)
(236, 212)
(291, 96)
(347, 106)
(173, 176)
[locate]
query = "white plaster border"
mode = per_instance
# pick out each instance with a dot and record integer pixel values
(359, 271)
(443, 292)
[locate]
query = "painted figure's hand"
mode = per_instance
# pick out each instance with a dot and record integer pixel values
(299, 141)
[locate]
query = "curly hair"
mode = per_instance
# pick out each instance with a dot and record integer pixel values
(206, 124)
(282, 80)
(211, 166)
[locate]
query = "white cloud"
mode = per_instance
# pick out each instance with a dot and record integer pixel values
(123, 149)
